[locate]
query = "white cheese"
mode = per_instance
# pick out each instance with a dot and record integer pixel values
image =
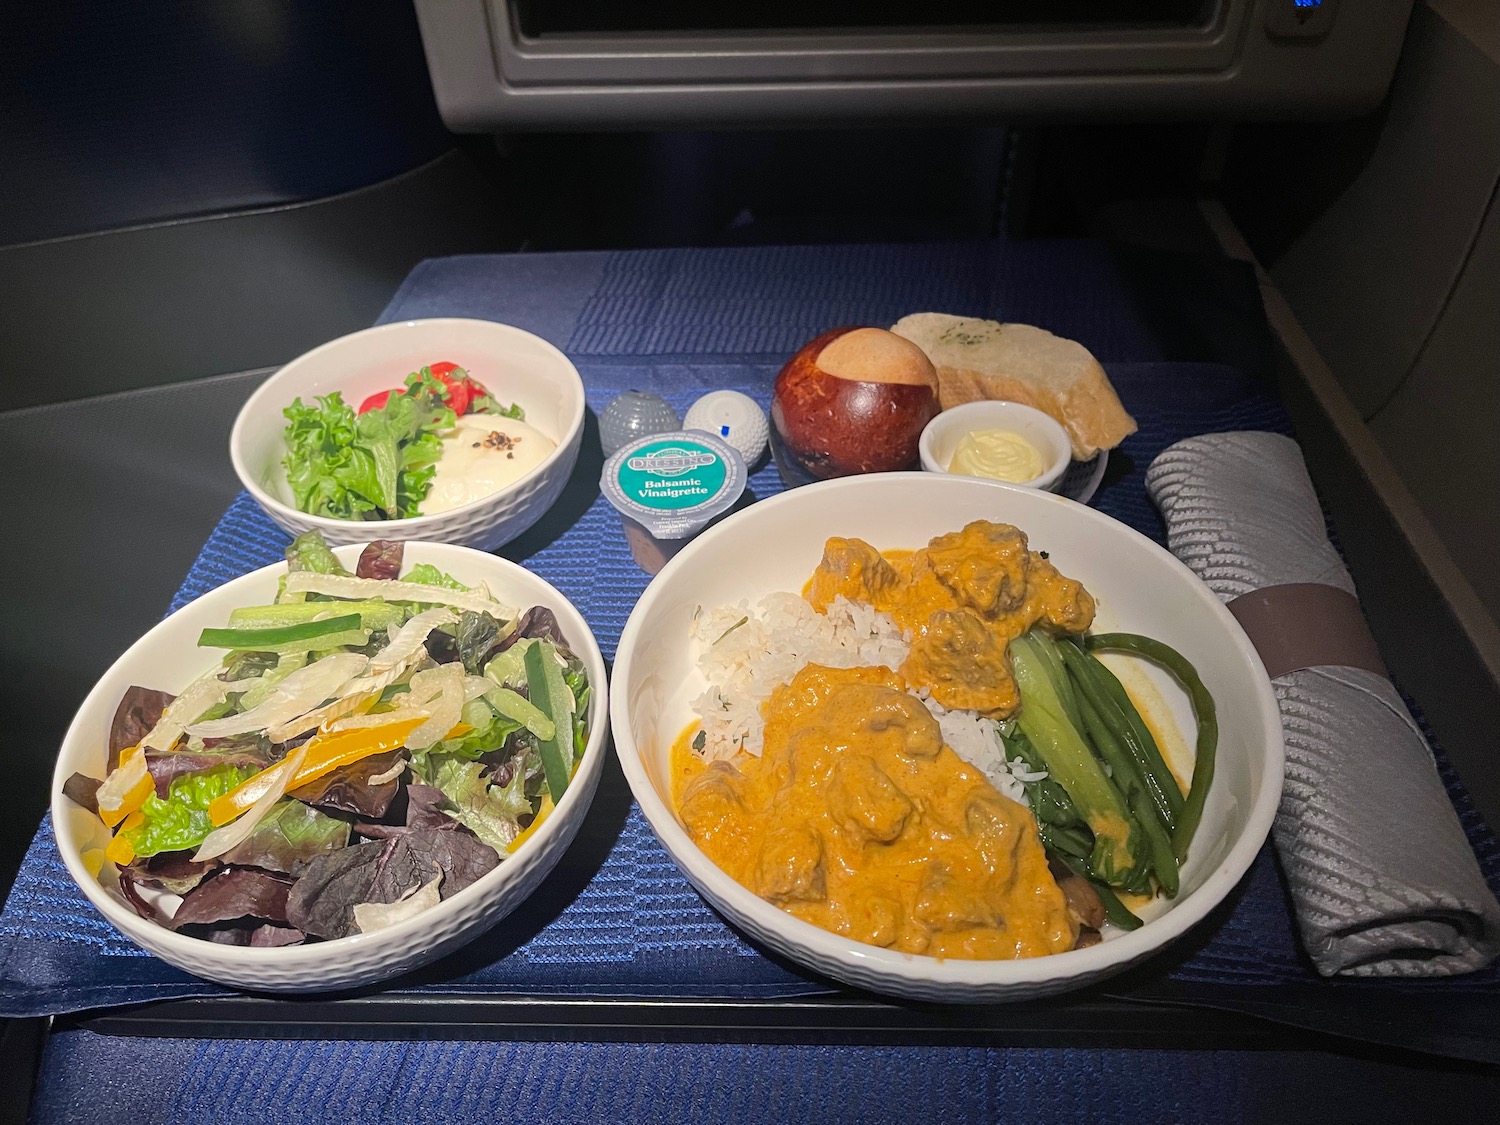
(483, 454)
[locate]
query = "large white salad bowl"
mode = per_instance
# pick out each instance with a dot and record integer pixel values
(167, 658)
(1140, 587)
(514, 365)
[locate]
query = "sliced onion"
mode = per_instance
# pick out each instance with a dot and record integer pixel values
(220, 840)
(296, 695)
(372, 916)
(385, 718)
(441, 691)
(204, 692)
(348, 705)
(391, 774)
(344, 586)
(475, 686)
(409, 638)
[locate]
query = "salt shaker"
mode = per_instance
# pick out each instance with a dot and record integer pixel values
(732, 417)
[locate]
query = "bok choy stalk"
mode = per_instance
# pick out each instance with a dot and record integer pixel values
(1117, 856)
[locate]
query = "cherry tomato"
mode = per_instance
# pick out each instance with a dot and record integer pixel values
(461, 392)
(375, 402)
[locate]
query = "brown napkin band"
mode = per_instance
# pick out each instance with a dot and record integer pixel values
(1307, 625)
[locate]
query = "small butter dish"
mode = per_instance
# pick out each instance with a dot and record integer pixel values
(1045, 436)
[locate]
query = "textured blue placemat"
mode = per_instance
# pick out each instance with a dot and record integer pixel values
(98, 1078)
(626, 922)
(617, 918)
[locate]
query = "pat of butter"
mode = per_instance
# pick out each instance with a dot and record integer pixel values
(998, 455)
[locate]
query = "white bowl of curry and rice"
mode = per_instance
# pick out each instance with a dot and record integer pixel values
(816, 705)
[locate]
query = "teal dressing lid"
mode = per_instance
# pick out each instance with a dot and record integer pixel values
(674, 484)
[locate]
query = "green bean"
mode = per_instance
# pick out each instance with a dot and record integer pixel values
(1127, 779)
(1203, 707)
(1115, 911)
(1140, 732)
(1153, 772)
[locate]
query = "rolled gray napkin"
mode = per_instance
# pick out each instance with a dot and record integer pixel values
(1382, 877)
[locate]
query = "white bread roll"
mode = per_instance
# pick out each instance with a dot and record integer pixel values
(983, 359)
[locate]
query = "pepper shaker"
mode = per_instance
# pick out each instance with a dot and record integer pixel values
(634, 414)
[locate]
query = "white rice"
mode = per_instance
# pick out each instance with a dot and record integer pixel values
(747, 652)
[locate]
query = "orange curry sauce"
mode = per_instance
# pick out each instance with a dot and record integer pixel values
(856, 817)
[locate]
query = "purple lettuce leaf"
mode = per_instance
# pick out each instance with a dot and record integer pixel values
(82, 789)
(538, 623)
(236, 892)
(348, 788)
(266, 936)
(177, 872)
(424, 809)
(322, 902)
(138, 712)
(380, 559)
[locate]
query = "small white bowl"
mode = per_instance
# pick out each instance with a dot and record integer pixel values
(941, 437)
(513, 365)
(168, 658)
(1139, 586)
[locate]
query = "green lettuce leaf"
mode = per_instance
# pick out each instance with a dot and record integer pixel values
(429, 575)
(489, 733)
(372, 465)
(290, 837)
(181, 821)
(489, 811)
(309, 551)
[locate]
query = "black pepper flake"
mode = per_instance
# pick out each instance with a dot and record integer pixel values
(500, 442)
(1044, 554)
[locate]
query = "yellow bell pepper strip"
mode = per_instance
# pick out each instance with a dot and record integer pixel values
(120, 852)
(526, 833)
(325, 753)
(126, 788)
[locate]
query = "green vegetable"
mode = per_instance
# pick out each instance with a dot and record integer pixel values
(286, 664)
(489, 733)
(1113, 704)
(373, 614)
(545, 686)
(310, 551)
(279, 637)
(491, 812)
(509, 668)
(1203, 707)
(375, 465)
(474, 636)
(522, 710)
(426, 574)
(181, 821)
(1044, 719)
(290, 837)
(1124, 776)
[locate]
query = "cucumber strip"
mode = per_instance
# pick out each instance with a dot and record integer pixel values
(514, 706)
